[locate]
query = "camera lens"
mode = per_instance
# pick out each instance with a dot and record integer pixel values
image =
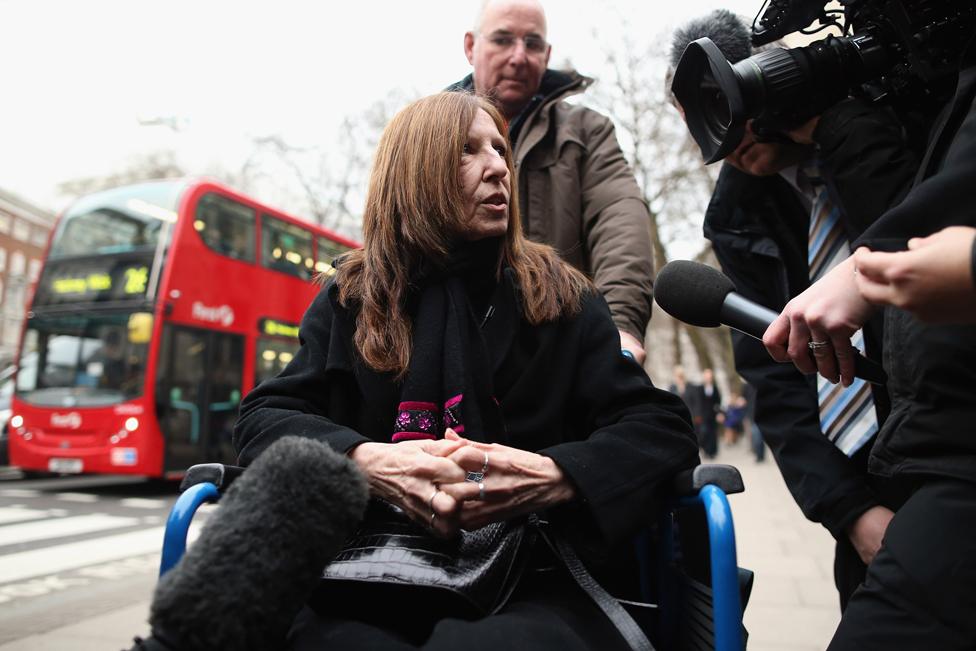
(715, 105)
(782, 86)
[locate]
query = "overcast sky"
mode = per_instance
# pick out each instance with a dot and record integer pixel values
(83, 80)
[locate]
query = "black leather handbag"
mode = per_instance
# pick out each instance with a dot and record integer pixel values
(391, 561)
(389, 550)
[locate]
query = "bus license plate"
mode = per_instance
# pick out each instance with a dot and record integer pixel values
(66, 466)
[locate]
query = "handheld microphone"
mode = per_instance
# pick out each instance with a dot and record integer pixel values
(699, 295)
(261, 554)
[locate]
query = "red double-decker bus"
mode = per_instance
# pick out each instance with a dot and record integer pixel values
(158, 307)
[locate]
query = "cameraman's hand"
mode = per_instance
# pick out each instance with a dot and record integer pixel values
(410, 475)
(803, 134)
(830, 310)
(867, 532)
(933, 279)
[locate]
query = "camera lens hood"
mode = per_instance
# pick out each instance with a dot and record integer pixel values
(709, 92)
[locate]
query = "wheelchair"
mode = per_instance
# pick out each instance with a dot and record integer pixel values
(687, 559)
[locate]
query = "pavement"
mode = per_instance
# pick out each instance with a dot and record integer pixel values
(793, 607)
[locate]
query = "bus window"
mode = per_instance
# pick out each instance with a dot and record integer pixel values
(117, 221)
(273, 355)
(328, 251)
(226, 226)
(286, 247)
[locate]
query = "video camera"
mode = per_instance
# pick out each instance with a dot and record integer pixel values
(898, 51)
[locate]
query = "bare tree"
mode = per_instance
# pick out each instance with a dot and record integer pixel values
(325, 182)
(675, 184)
(148, 167)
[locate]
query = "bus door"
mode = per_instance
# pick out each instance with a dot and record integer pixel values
(198, 394)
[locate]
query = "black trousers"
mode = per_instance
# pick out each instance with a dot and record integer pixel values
(920, 590)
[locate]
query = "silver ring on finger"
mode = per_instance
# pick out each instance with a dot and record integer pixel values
(433, 516)
(484, 467)
(819, 348)
(481, 491)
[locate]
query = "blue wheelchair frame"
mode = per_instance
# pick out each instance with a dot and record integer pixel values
(704, 489)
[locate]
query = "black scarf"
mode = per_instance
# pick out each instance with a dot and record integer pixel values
(449, 379)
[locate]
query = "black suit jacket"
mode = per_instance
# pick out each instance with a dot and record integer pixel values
(758, 229)
(932, 369)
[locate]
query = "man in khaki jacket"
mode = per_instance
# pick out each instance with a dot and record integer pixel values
(576, 191)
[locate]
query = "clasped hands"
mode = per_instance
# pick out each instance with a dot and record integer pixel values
(428, 480)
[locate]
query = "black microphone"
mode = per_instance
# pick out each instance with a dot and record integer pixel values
(700, 295)
(260, 555)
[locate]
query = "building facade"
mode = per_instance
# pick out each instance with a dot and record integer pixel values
(24, 230)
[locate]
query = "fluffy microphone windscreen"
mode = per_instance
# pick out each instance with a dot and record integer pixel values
(260, 555)
(691, 292)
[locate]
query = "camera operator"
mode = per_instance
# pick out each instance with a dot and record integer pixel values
(758, 221)
(919, 589)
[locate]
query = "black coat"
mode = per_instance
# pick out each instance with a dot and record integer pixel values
(564, 389)
(758, 229)
(932, 369)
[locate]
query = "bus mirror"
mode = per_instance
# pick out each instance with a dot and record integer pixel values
(235, 396)
(140, 327)
(175, 394)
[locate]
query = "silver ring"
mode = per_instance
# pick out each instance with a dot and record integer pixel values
(474, 477)
(433, 516)
(481, 491)
(430, 502)
(484, 468)
(815, 345)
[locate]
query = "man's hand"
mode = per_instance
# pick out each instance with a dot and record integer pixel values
(803, 134)
(411, 475)
(630, 343)
(868, 531)
(515, 483)
(830, 310)
(933, 279)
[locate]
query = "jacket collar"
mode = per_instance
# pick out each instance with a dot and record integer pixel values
(555, 85)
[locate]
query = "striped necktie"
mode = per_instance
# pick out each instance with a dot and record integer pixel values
(847, 415)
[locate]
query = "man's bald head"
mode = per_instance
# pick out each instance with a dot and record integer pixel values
(509, 52)
(495, 5)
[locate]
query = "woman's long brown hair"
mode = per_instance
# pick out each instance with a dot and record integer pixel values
(414, 211)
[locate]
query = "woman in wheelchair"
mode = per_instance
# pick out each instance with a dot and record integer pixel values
(477, 382)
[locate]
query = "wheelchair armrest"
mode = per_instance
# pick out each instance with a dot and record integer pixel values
(218, 474)
(690, 482)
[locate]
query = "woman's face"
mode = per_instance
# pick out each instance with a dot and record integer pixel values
(485, 181)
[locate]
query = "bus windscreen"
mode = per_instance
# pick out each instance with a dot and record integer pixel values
(82, 360)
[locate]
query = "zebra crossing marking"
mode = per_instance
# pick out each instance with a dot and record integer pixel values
(19, 514)
(62, 527)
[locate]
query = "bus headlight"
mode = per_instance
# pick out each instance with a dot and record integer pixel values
(131, 424)
(16, 421)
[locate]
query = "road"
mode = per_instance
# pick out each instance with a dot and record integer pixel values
(73, 548)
